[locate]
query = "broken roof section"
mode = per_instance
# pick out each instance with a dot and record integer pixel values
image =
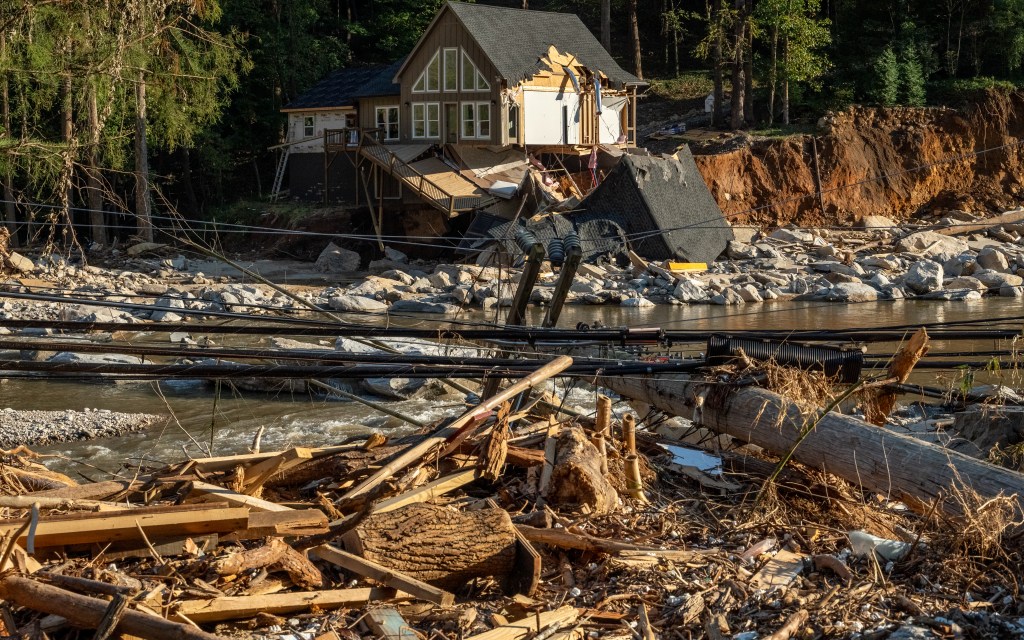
(515, 40)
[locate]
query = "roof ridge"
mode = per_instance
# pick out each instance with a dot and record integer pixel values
(500, 8)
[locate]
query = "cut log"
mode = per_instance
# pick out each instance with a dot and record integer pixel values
(881, 460)
(437, 545)
(384, 575)
(156, 522)
(276, 555)
(86, 612)
(577, 478)
(236, 607)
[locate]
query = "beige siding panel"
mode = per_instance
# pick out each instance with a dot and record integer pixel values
(322, 120)
(449, 32)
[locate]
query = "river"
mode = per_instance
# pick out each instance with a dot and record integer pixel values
(229, 421)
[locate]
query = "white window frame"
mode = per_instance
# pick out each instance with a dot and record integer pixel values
(444, 69)
(431, 122)
(423, 81)
(479, 82)
(308, 126)
(475, 120)
(386, 126)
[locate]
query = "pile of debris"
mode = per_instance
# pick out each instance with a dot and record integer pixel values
(506, 523)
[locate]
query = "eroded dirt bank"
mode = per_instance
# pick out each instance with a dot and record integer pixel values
(874, 161)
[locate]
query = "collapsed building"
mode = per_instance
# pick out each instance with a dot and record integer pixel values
(496, 118)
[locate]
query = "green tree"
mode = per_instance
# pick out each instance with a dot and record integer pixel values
(798, 39)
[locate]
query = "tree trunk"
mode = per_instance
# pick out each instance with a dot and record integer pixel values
(748, 78)
(785, 81)
(736, 98)
(718, 113)
(9, 209)
(606, 25)
(773, 74)
(437, 545)
(577, 477)
(884, 461)
(142, 211)
(675, 38)
(94, 195)
(66, 189)
(634, 31)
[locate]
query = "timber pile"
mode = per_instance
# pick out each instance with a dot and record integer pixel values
(499, 525)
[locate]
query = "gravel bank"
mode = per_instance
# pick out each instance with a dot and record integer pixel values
(45, 427)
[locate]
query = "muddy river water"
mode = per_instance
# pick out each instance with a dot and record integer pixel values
(229, 420)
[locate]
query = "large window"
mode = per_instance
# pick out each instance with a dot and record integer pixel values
(387, 122)
(476, 120)
(451, 69)
(308, 126)
(430, 79)
(426, 120)
(513, 123)
(472, 79)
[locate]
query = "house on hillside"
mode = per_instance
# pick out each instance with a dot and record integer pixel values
(483, 87)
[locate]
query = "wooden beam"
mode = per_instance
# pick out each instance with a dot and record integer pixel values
(225, 463)
(429, 491)
(260, 472)
(530, 625)
(293, 522)
(235, 607)
(566, 540)
(206, 492)
(888, 462)
(161, 522)
(379, 573)
(83, 611)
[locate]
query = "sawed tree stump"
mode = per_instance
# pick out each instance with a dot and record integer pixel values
(577, 477)
(438, 545)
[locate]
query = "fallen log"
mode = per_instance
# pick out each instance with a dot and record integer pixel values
(881, 460)
(86, 612)
(437, 545)
(576, 477)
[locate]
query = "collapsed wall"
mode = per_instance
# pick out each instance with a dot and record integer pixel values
(877, 161)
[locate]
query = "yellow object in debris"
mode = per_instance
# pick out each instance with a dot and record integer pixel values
(686, 266)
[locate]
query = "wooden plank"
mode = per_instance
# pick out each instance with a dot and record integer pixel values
(530, 625)
(206, 492)
(888, 462)
(294, 522)
(166, 547)
(225, 463)
(235, 607)
(389, 624)
(383, 575)
(429, 491)
(260, 472)
(165, 522)
(780, 571)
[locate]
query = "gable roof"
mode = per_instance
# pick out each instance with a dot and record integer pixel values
(342, 87)
(515, 40)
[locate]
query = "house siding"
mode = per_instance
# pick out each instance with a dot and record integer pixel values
(448, 32)
(333, 119)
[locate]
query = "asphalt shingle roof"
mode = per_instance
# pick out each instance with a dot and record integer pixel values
(342, 87)
(515, 39)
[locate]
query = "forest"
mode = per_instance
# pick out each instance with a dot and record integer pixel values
(113, 110)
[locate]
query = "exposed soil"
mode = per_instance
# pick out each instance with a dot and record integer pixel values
(873, 161)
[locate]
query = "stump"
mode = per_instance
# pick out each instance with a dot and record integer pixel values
(577, 477)
(438, 545)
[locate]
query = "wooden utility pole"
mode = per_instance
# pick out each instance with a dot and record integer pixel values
(145, 220)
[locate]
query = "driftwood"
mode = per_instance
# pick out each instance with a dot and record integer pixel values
(437, 545)
(878, 404)
(236, 607)
(576, 477)
(879, 459)
(276, 555)
(86, 612)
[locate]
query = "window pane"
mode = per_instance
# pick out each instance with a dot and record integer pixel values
(420, 86)
(434, 73)
(481, 84)
(483, 115)
(451, 69)
(433, 120)
(418, 128)
(468, 73)
(468, 122)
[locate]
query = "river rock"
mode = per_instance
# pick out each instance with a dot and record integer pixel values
(994, 280)
(440, 279)
(395, 388)
(749, 293)
(887, 263)
(167, 316)
(398, 276)
(374, 287)
(94, 358)
(876, 222)
(957, 295)
(728, 296)
(792, 235)
(542, 295)
(462, 294)
(690, 290)
(966, 283)
(736, 250)
(423, 306)
(930, 244)
(20, 263)
(89, 313)
(395, 255)
(334, 259)
(994, 259)
(636, 302)
(44, 427)
(585, 285)
(852, 292)
(924, 276)
(1011, 291)
(357, 304)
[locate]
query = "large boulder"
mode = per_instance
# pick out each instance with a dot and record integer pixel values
(357, 304)
(930, 244)
(334, 259)
(925, 276)
(395, 388)
(852, 292)
(993, 259)
(423, 306)
(690, 290)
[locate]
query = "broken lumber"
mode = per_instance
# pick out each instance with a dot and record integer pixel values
(427, 492)
(476, 414)
(235, 607)
(259, 473)
(293, 522)
(384, 575)
(437, 545)
(83, 611)
(878, 404)
(157, 522)
(206, 492)
(566, 540)
(878, 459)
(530, 625)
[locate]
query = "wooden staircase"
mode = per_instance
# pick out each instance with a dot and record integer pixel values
(449, 203)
